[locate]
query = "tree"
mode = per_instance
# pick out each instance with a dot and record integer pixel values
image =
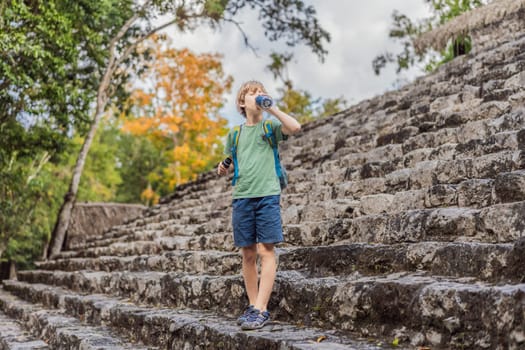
(405, 30)
(20, 188)
(179, 114)
(49, 62)
(49, 66)
(300, 103)
(138, 157)
(290, 20)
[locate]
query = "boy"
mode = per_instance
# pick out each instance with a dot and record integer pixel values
(256, 216)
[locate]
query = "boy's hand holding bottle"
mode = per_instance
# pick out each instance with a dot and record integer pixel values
(224, 166)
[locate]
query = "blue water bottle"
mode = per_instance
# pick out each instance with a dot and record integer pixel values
(264, 101)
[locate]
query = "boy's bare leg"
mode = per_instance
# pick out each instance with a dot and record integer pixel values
(249, 272)
(268, 271)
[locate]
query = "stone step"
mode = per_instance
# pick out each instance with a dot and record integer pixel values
(190, 215)
(499, 223)
(213, 241)
(488, 262)
(442, 311)
(329, 210)
(59, 330)
(14, 337)
(447, 170)
(198, 262)
(184, 329)
(146, 233)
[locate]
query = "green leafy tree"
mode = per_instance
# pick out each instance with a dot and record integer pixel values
(20, 187)
(51, 56)
(137, 157)
(404, 30)
(101, 177)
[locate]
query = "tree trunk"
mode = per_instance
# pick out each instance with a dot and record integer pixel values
(61, 226)
(12, 270)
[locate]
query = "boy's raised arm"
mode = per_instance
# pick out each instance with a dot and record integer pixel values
(290, 124)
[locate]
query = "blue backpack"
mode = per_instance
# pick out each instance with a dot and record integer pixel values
(268, 136)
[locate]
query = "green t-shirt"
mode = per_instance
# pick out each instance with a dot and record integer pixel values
(257, 176)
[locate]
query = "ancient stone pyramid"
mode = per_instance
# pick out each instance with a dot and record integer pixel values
(404, 219)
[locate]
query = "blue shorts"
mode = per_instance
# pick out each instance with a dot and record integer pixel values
(257, 220)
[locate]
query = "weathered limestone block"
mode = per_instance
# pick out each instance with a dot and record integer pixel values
(424, 175)
(444, 152)
(493, 144)
(513, 120)
(370, 228)
(407, 200)
(475, 193)
(290, 215)
(504, 222)
(374, 204)
(106, 215)
(425, 140)
(449, 301)
(14, 337)
(444, 103)
(317, 233)
(509, 187)
(425, 122)
(399, 180)
(516, 82)
(454, 171)
(469, 93)
(490, 165)
(516, 261)
(380, 154)
(418, 155)
(397, 136)
(441, 195)
(452, 222)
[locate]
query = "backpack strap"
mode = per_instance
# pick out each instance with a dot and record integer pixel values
(270, 137)
(235, 142)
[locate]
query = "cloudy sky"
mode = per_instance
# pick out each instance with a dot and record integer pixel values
(359, 32)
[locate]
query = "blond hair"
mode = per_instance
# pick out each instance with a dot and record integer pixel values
(248, 86)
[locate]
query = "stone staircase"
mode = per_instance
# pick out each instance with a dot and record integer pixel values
(404, 220)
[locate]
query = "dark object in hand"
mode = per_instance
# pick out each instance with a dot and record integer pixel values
(226, 163)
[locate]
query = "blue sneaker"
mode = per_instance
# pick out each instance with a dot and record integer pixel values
(255, 320)
(244, 316)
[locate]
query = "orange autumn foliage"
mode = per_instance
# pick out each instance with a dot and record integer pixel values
(179, 113)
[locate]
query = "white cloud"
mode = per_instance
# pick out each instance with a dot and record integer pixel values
(359, 31)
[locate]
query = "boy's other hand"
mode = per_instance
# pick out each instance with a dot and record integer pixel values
(222, 170)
